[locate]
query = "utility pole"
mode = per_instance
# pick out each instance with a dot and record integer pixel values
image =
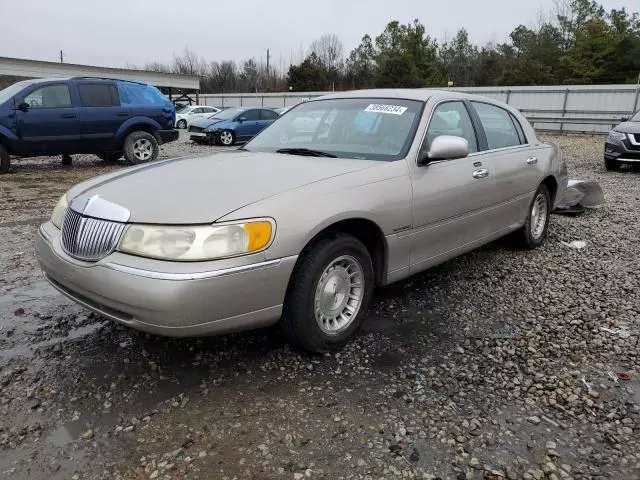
(61, 57)
(268, 58)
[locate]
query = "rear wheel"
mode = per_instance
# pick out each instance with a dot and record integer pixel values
(329, 293)
(5, 160)
(536, 226)
(611, 165)
(227, 138)
(110, 156)
(67, 160)
(141, 147)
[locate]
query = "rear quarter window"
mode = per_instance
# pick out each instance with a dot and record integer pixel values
(136, 94)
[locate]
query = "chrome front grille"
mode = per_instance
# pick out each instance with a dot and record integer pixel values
(87, 238)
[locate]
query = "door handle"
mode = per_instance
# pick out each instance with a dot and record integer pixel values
(481, 173)
(69, 115)
(532, 161)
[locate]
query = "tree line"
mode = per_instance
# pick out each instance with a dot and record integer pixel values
(580, 42)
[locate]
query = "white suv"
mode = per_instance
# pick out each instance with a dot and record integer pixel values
(185, 116)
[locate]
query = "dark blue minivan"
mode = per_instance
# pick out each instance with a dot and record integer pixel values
(65, 116)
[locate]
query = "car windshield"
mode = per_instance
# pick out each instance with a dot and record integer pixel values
(362, 128)
(635, 118)
(182, 109)
(11, 90)
(228, 114)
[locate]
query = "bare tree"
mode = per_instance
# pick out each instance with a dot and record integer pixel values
(188, 63)
(329, 49)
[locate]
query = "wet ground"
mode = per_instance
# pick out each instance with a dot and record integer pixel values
(499, 364)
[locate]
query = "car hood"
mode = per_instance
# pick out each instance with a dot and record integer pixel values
(629, 127)
(199, 190)
(205, 122)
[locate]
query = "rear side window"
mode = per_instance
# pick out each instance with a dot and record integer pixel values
(269, 115)
(138, 94)
(51, 96)
(498, 126)
(98, 95)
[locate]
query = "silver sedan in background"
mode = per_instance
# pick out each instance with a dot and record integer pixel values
(300, 225)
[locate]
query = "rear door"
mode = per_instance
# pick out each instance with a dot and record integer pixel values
(100, 116)
(267, 117)
(249, 126)
(453, 199)
(49, 123)
(518, 170)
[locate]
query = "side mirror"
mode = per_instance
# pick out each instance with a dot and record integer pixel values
(24, 106)
(241, 119)
(446, 147)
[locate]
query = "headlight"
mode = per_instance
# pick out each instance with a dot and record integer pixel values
(197, 243)
(613, 135)
(58, 211)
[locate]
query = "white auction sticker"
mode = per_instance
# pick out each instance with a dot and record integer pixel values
(392, 109)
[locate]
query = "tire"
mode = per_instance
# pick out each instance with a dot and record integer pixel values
(67, 160)
(182, 124)
(5, 160)
(227, 138)
(533, 233)
(140, 147)
(611, 165)
(110, 157)
(331, 261)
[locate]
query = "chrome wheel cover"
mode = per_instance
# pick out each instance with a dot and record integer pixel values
(142, 149)
(226, 138)
(339, 295)
(539, 215)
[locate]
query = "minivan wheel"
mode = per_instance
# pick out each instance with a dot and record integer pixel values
(328, 294)
(140, 147)
(181, 124)
(227, 138)
(5, 160)
(536, 226)
(109, 157)
(611, 165)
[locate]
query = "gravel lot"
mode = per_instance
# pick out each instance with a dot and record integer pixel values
(499, 364)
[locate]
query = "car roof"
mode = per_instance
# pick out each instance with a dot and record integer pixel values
(420, 94)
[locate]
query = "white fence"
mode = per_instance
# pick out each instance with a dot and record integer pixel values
(570, 108)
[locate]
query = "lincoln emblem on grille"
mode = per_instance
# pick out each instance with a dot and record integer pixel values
(92, 227)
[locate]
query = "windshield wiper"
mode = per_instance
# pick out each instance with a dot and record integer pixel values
(306, 152)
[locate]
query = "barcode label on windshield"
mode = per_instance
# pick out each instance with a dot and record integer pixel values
(392, 109)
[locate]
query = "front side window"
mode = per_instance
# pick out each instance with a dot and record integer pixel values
(251, 115)
(51, 96)
(451, 118)
(358, 128)
(498, 126)
(98, 95)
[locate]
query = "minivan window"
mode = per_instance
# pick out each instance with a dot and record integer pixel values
(51, 96)
(498, 126)
(98, 95)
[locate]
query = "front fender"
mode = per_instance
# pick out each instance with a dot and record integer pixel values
(8, 133)
(133, 123)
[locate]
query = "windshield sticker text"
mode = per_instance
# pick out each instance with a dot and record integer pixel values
(392, 109)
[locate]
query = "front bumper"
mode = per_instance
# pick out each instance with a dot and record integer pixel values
(168, 135)
(169, 298)
(624, 151)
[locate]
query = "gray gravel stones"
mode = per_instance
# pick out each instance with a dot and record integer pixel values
(472, 370)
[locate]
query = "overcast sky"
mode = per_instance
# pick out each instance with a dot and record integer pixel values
(117, 32)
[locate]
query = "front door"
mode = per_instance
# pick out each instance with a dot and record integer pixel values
(452, 199)
(49, 122)
(249, 126)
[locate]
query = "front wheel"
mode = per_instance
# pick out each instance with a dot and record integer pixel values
(227, 138)
(141, 147)
(329, 293)
(181, 124)
(611, 165)
(536, 226)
